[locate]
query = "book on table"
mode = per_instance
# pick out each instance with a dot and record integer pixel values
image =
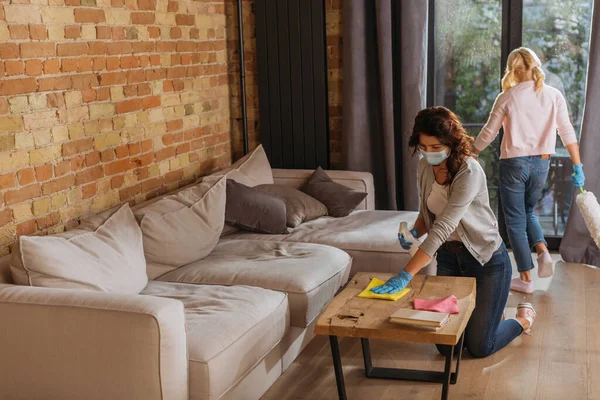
(420, 319)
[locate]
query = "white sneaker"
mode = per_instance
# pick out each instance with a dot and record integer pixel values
(545, 265)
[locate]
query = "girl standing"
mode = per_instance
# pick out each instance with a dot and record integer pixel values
(531, 112)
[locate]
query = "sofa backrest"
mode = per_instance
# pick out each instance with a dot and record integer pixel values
(5, 275)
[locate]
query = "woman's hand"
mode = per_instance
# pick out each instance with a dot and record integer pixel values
(394, 284)
(578, 176)
(406, 245)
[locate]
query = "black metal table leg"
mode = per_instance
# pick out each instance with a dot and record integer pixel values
(447, 373)
(337, 367)
(458, 350)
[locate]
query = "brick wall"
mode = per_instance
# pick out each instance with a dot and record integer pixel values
(107, 101)
(334, 62)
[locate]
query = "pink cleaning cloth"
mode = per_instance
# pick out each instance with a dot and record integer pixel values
(448, 305)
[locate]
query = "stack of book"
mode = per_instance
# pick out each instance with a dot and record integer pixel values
(420, 319)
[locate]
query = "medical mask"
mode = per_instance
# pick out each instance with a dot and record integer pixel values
(434, 157)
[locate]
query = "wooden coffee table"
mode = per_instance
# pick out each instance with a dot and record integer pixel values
(350, 316)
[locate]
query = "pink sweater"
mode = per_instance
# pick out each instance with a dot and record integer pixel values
(530, 122)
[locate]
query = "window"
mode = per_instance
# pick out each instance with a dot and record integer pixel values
(467, 53)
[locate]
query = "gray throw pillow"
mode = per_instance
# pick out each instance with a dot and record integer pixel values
(339, 199)
(299, 206)
(255, 211)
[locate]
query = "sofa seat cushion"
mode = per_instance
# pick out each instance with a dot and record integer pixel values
(371, 230)
(229, 330)
(310, 274)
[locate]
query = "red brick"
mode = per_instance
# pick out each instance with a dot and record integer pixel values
(186, 59)
(146, 145)
(33, 67)
(129, 192)
(175, 33)
(136, 76)
(118, 33)
(143, 160)
(103, 94)
(43, 172)
(142, 18)
(156, 74)
(8, 51)
(118, 48)
(165, 153)
(112, 63)
(26, 176)
(117, 3)
(55, 100)
(130, 62)
(58, 184)
(73, 3)
(143, 47)
(77, 146)
(92, 159)
(72, 49)
(175, 59)
(38, 49)
(20, 195)
(86, 15)
(178, 85)
(51, 66)
(7, 181)
(154, 32)
(144, 89)
(14, 67)
(152, 184)
(198, 144)
(151, 102)
(117, 181)
(89, 175)
(103, 32)
(121, 151)
(129, 106)
(117, 167)
(96, 48)
(18, 32)
(77, 163)
(17, 86)
(134, 148)
(130, 90)
(84, 81)
(99, 63)
(178, 137)
(68, 65)
(174, 125)
(184, 19)
(146, 5)
(84, 64)
(113, 78)
(186, 47)
(62, 168)
(188, 135)
(88, 95)
(167, 139)
(167, 86)
(194, 33)
(72, 31)
(155, 59)
(107, 155)
(173, 6)
(48, 221)
(6, 216)
(183, 148)
(4, 106)
(173, 176)
(142, 173)
(26, 228)
(176, 72)
(166, 47)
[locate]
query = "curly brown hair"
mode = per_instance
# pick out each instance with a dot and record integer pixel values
(443, 124)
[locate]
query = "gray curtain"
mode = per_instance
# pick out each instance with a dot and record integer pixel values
(577, 245)
(369, 141)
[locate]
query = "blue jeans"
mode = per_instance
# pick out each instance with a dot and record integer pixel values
(485, 334)
(521, 182)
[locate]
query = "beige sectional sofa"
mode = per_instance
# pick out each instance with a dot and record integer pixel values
(223, 327)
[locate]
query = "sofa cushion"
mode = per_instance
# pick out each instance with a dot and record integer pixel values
(251, 170)
(253, 210)
(299, 206)
(183, 227)
(339, 199)
(310, 274)
(229, 330)
(109, 258)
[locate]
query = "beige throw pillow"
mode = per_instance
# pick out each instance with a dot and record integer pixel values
(109, 258)
(184, 227)
(299, 206)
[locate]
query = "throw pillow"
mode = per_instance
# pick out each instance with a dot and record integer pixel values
(339, 199)
(299, 206)
(109, 258)
(251, 170)
(184, 227)
(255, 211)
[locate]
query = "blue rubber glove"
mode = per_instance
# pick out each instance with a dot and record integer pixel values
(415, 233)
(403, 242)
(394, 284)
(578, 177)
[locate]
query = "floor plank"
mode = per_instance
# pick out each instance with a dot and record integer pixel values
(561, 360)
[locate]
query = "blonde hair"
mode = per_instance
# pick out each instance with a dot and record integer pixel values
(520, 62)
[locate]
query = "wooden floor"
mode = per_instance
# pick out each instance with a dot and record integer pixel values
(560, 361)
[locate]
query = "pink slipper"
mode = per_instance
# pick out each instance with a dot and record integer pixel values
(526, 310)
(545, 264)
(520, 286)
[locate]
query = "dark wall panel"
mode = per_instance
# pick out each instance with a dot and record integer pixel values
(292, 82)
